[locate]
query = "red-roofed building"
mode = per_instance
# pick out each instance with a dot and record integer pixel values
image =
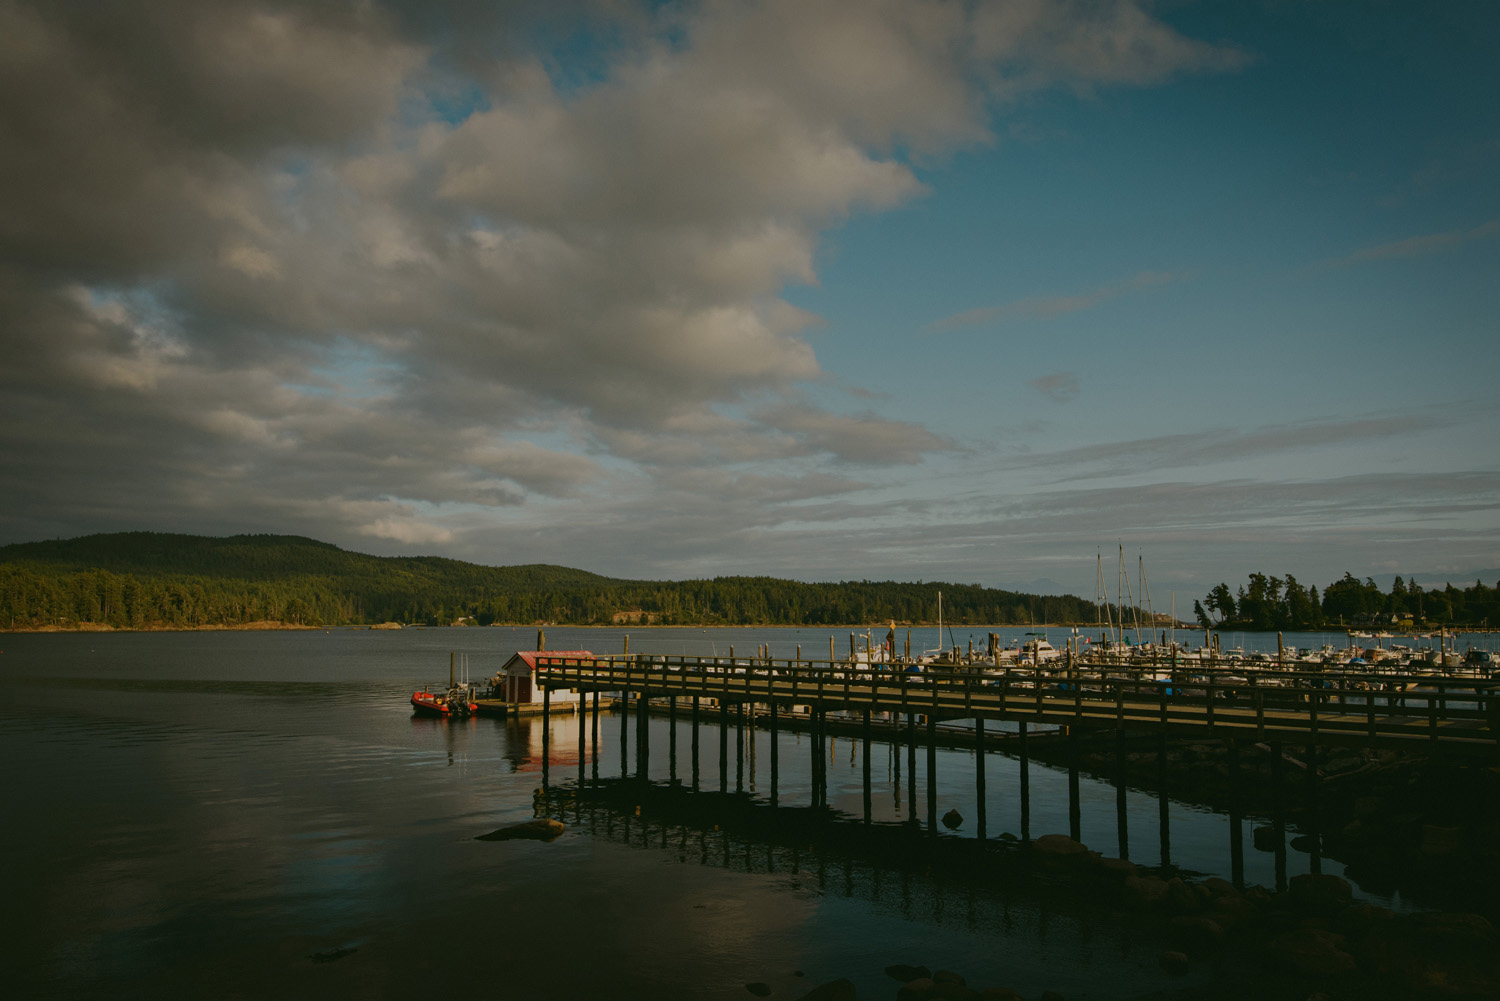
(516, 681)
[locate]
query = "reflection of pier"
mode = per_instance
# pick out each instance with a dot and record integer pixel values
(1313, 708)
(732, 800)
(897, 866)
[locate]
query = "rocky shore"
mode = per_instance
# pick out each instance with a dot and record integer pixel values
(1309, 943)
(1426, 825)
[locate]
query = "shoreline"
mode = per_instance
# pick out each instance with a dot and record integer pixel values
(270, 625)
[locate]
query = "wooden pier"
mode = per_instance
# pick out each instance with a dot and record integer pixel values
(1300, 703)
(1305, 705)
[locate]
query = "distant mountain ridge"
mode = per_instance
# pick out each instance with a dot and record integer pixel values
(264, 557)
(163, 580)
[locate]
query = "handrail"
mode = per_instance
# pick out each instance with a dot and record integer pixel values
(1312, 699)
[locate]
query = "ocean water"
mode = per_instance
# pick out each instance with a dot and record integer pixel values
(256, 814)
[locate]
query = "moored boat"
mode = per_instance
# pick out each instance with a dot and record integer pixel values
(455, 702)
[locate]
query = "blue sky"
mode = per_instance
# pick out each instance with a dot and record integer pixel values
(824, 290)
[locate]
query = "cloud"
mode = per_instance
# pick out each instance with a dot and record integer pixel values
(1045, 306)
(1219, 445)
(1431, 243)
(386, 271)
(1059, 387)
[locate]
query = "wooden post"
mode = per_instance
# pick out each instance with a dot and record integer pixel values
(979, 790)
(776, 746)
(546, 732)
(624, 730)
(643, 736)
(739, 747)
(815, 752)
(1025, 791)
(911, 767)
(672, 738)
(594, 737)
(1315, 854)
(1236, 832)
(1163, 813)
(723, 746)
(931, 774)
(866, 719)
(1278, 815)
(695, 743)
(1122, 824)
(1075, 805)
(541, 640)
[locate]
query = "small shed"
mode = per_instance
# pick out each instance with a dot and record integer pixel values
(516, 681)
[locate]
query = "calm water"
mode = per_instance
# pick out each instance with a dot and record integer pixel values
(253, 814)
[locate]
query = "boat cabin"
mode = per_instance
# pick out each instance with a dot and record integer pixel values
(516, 681)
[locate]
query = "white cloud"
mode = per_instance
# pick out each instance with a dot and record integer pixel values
(273, 189)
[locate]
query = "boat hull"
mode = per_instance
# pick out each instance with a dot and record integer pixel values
(428, 704)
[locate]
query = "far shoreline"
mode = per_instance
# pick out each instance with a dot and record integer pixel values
(271, 625)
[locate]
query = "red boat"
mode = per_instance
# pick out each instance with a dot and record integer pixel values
(454, 703)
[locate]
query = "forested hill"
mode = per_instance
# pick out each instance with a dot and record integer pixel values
(272, 557)
(152, 580)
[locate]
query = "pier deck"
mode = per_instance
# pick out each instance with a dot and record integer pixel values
(1299, 703)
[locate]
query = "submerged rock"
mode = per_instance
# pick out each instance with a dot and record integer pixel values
(919, 989)
(834, 990)
(545, 829)
(1320, 894)
(905, 973)
(1000, 994)
(1309, 952)
(1058, 848)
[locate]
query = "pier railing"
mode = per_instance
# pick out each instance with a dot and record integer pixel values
(1290, 701)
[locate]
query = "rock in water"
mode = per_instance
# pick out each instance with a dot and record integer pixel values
(952, 819)
(532, 830)
(906, 974)
(835, 990)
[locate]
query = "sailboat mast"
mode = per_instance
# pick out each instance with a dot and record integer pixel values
(1146, 597)
(1120, 592)
(1098, 589)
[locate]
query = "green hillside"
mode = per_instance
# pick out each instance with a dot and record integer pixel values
(154, 580)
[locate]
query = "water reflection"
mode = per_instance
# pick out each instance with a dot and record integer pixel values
(818, 850)
(199, 810)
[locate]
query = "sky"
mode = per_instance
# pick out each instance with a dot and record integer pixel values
(984, 292)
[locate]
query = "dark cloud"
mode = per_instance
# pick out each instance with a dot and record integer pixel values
(401, 271)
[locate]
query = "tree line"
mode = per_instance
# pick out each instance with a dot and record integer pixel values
(1269, 602)
(146, 580)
